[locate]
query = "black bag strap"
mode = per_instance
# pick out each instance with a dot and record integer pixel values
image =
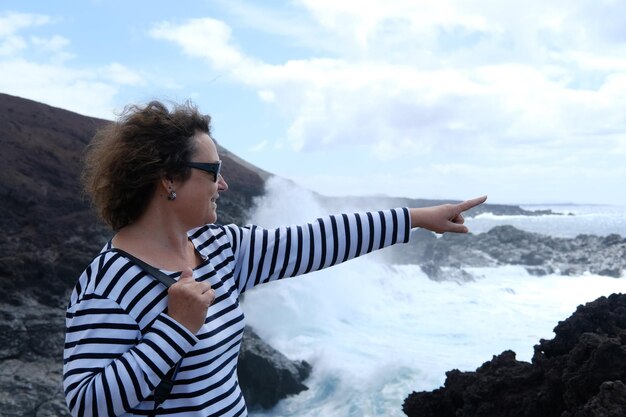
(162, 391)
(162, 277)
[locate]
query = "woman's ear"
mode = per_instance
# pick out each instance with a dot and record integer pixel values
(167, 184)
(167, 188)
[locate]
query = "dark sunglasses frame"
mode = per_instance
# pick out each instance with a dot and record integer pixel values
(212, 167)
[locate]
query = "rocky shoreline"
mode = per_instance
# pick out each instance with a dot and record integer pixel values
(50, 233)
(445, 257)
(579, 373)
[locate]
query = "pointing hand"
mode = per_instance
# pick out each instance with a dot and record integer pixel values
(444, 218)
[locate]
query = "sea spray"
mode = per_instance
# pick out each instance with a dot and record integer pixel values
(375, 332)
(568, 221)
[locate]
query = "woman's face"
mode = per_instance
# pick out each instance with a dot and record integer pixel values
(197, 196)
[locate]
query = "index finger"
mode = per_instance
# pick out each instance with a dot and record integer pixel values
(468, 204)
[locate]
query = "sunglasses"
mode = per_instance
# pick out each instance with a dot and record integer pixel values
(212, 167)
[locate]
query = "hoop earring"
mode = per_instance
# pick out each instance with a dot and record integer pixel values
(172, 195)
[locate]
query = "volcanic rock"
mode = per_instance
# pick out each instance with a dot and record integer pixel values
(579, 373)
(506, 245)
(266, 375)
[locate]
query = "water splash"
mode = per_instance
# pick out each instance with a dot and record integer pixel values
(376, 332)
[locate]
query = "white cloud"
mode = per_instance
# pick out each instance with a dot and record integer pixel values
(447, 81)
(11, 45)
(453, 102)
(75, 90)
(259, 146)
(121, 75)
(55, 48)
(54, 44)
(288, 23)
(46, 74)
(11, 22)
(507, 96)
(267, 96)
(589, 60)
(203, 38)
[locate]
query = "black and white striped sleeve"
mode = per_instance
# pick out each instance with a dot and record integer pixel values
(263, 255)
(109, 366)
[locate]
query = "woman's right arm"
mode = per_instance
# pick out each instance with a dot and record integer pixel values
(109, 366)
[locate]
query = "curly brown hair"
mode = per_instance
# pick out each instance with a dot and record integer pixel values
(126, 158)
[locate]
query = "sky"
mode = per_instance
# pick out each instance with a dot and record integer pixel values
(522, 101)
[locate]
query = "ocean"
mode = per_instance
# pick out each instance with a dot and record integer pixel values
(375, 332)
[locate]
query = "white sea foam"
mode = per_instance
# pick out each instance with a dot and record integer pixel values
(375, 332)
(568, 221)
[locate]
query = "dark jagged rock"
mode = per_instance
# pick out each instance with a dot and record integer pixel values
(31, 348)
(506, 245)
(49, 234)
(579, 373)
(266, 375)
(609, 402)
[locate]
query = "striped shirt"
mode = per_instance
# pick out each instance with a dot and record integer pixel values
(120, 343)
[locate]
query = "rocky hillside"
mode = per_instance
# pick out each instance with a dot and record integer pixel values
(49, 235)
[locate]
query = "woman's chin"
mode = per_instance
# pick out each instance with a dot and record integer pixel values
(212, 217)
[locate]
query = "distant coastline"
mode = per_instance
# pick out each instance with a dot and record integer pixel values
(375, 202)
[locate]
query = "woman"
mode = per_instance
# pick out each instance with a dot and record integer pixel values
(155, 178)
